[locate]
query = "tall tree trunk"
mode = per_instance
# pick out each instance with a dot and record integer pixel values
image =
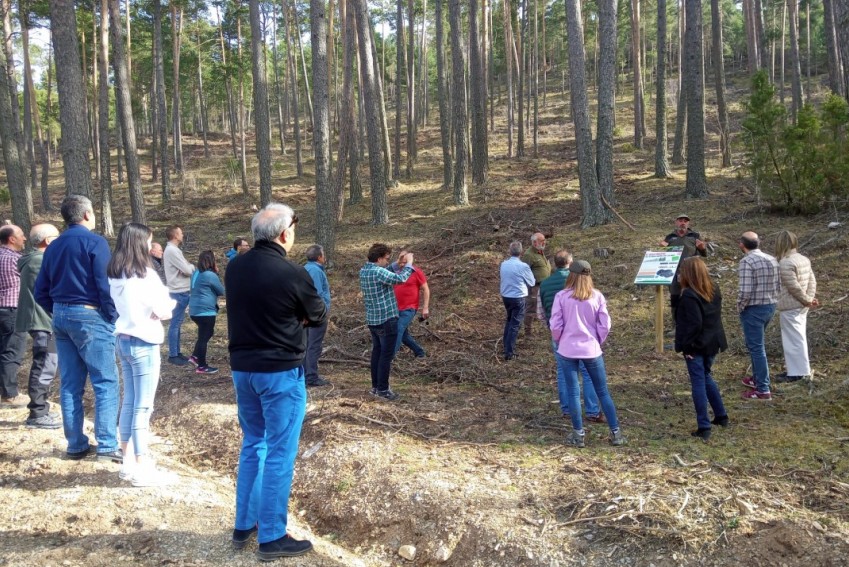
(91, 112)
(760, 33)
(161, 112)
(411, 89)
(261, 115)
(783, 45)
(371, 99)
(535, 66)
(18, 191)
(520, 91)
(307, 90)
(639, 107)
(106, 224)
(835, 69)
(278, 95)
(119, 146)
(509, 48)
(243, 119)
(442, 94)
(681, 110)
(477, 97)
(796, 85)
(752, 56)
(72, 100)
(591, 206)
(293, 78)
(29, 94)
(154, 122)
(661, 166)
(607, 32)
(461, 193)
(399, 92)
(177, 119)
(29, 145)
(347, 116)
(228, 85)
(694, 85)
(20, 139)
(841, 24)
(383, 116)
(325, 219)
(719, 81)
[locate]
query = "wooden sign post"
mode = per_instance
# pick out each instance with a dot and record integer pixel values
(658, 318)
(658, 269)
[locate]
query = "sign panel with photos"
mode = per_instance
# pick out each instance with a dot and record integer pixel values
(659, 266)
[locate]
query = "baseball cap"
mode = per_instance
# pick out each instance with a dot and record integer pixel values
(580, 267)
(682, 216)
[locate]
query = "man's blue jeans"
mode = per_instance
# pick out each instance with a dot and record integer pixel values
(271, 411)
(705, 390)
(515, 307)
(383, 339)
(590, 397)
(598, 375)
(754, 320)
(315, 340)
(86, 346)
(177, 317)
(140, 363)
(405, 318)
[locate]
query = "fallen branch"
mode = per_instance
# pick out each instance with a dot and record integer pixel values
(684, 463)
(345, 361)
(606, 204)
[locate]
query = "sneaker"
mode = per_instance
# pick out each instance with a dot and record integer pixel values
(46, 421)
(206, 370)
(80, 455)
(596, 418)
(617, 439)
(749, 382)
(703, 434)
(242, 537)
(115, 456)
(317, 382)
(149, 475)
(18, 401)
(575, 439)
(286, 546)
(721, 420)
(178, 360)
(386, 395)
(783, 378)
(194, 360)
(755, 395)
(126, 472)
(422, 354)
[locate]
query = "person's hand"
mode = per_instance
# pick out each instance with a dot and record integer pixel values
(409, 259)
(663, 243)
(402, 260)
(700, 244)
(425, 314)
(814, 303)
(688, 356)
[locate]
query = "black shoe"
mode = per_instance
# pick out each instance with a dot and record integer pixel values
(242, 537)
(386, 395)
(783, 378)
(318, 381)
(178, 360)
(80, 455)
(46, 421)
(286, 546)
(720, 420)
(422, 354)
(509, 357)
(115, 456)
(703, 434)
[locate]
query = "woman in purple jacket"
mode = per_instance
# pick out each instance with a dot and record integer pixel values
(579, 325)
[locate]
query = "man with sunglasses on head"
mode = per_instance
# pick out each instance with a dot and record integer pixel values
(178, 273)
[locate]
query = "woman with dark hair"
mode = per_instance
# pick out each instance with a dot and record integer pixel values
(203, 307)
(795, 298)
(699, 336)
(579, 325)
(142, 301)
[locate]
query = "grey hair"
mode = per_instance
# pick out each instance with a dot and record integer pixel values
(534, 236)
(40, 233)
(271, 221)
(74, 208)
(315, 252)
(515, 248)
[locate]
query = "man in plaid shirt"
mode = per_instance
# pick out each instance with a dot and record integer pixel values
(11, 342)
(376, 283)
(756, 301)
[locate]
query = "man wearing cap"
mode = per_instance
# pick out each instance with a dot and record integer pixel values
(692, 243)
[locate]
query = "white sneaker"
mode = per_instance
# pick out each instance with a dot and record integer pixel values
(152, 476)
(126, 472)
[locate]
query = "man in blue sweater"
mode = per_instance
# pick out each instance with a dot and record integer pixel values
(315, 335)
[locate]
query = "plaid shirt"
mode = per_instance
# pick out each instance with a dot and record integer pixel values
(377, 285)
(759, 282)
(10, 277)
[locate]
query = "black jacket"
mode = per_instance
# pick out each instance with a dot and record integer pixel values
(268, 300)
(698, 324)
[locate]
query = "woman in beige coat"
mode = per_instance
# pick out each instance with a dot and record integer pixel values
(796, 297)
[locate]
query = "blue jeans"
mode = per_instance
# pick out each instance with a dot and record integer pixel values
(754, 320)
(177, 317)
(383, 339)
(590, 397)
(86, 346)
(140, 362)
(315, 340)
(705, 390)
(271, 411)
(598, 375)
(405, 318)
(515, 307)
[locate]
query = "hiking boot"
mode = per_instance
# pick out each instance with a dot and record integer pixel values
(286, 546)
(749, 382)
(703, 434)
(386, 395)
(575, 439)
(755, 395)
(720, 420)
(617, 439)
(206, 370)
(178, 360)
(80, 455)
(46, 421)
(18, 401)
(115, 456)
(317, 382)
(596, 418)
(242, 537)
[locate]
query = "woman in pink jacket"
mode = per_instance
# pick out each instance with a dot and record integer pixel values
(579, 325)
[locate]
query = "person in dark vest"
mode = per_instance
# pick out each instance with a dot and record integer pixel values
(693, 245)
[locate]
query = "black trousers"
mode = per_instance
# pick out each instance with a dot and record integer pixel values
(11, 351)
(42, 372)
(206, 327)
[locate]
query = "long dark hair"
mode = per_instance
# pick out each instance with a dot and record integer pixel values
(206, 261)
(131, 257)
(693, 273)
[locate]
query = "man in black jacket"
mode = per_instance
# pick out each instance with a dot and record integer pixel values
(269, 301)
(692, 243)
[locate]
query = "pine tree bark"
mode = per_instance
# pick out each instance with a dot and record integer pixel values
(661, 166)
(607, 32)
(161, 112)
(20, 138)
(261, 114)
(509, 48)
(399, 79)
(591, 206)
(696, 187)
(106, 224)
(795, 62)
(12, 160)
(681, 109)
(293, 78)
(835, 69)
(520, 91)
(637, 63)
(29, 95)
(371, 99)
(72, 100)
(477, 97)
(278, 94)
(719, 81)
(841, 24)
(347, 115)
(177, 119)
(228, 85)
(412, 151)
(444, 103)
(325, 219)
(243, 119)
(29, 146)
(458, 115)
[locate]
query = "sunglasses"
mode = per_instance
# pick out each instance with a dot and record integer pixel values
(294, 221)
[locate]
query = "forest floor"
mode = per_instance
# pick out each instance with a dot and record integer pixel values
(469, 466)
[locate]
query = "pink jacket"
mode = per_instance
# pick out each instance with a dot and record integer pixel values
(579, 327)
